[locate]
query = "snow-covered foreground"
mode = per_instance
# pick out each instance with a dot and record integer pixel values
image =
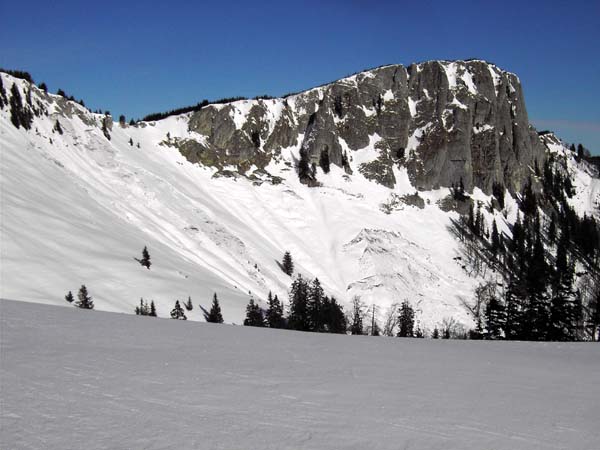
(88, 379)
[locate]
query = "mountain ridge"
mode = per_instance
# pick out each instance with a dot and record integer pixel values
(107, 189)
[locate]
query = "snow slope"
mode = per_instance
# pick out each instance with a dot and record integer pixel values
(78, 208)
(94, 380)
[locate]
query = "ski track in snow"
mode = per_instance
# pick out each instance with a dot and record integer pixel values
(89, 379)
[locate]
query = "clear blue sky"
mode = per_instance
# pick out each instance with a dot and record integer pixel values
(133, 57)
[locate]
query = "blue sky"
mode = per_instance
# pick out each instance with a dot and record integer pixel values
(134, 57)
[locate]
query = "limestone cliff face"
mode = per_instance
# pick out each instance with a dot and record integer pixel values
(441, 120)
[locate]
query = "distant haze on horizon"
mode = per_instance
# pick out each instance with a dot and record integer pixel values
(135, 59)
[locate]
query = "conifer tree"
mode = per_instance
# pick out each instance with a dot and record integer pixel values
(131, 142)
(84, 300)
(177, 312)
(494, 316)
(356, 327)
(298, 318)
(43, 87)
(214, 315)
(254, 315)
(152, 309)
(435, 334)
(287, 264)
(406, 320)
(315, 306)
(188, 305)
(345, 163)
(274, 315)
(69, 297)
(145, 261)
(335, 319)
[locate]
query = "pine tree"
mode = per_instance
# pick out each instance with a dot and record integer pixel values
(69, 297)
(177, 312)
(84, 300)
(324, 160)
(214, 315)
(131, 142)
(374, 325)
(274, 315)
(495, 319)
(145, 261)
(152, 309)
(254, 315)
(188, 305)
(122, 121)
(315, 306)
(287, 264)
(436, 333)
(143, 309)
(356, 327)
(406, 320)
(335, 319)
(298, 318)
(43, 87)
(131, 123)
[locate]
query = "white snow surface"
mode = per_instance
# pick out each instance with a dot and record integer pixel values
(74, 379)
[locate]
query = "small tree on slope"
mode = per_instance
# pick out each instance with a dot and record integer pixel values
(214, 315)
(287, 264)
(69, 297)
(177, 312)
(145, 261)
(84, 300)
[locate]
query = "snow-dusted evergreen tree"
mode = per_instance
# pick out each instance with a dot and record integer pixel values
(406, 320)
(214, 315)
(69, 297)
(496, 243)
(274, 315)
(84, 301)
(58, 127)
(188, 305)
(287, 264)
(254, 315)
(435, 334)
(177, 312)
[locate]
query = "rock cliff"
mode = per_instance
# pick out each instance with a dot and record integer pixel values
(442, 120)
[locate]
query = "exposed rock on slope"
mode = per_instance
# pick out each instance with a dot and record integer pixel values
(442, 120)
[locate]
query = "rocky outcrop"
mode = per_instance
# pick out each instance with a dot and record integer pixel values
(443, 120)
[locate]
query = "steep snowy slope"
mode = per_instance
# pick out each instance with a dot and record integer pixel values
(78, 207)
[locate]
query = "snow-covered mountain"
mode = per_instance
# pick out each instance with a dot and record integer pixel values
(215, 196)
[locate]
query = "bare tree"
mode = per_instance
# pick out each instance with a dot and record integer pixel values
(390, 322)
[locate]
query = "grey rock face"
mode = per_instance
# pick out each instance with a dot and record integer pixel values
(443, 120)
